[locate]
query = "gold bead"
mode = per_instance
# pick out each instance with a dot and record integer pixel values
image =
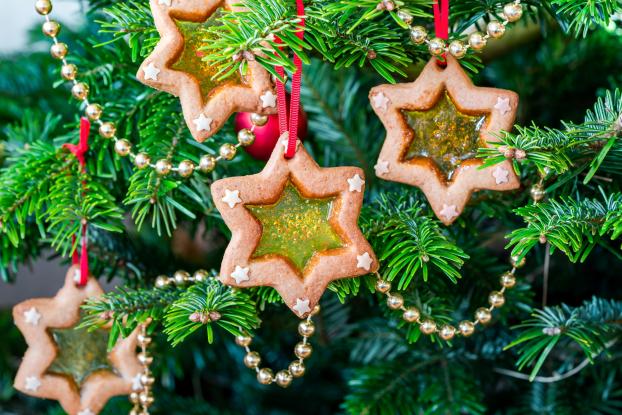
(284, 378)
(201, 275)
(427, 326)
(447, 332)
(265, 376)
(146, 399)
(59, 50)
(457, 49)
(93, 111)
(316, 310)
(122, 147)
(252, 360)
(483, 315)
(411, 315)
(134, 397)
(147, 380)
(297, 369)
(512, 12)
(181, 278)
(395, 301)
(207, 164)
(477, 41)
(518, 262)
(145, 359)
(508, 280)
(107, 130)
(436, 46)
(143, 340)
(246, 137)
(383, 286)
(405, 17)
(163, 167)
(186, 168)
(496, 299)
(259, 120)
(303, 350)
(51, 28)
(466, 328)
(243, 341)
(142, 160)
(227, 151)
(69, 72)
(495, 29)
(80, 91)
(162, 281)
(43, 7)
(306, 328)
(537, 192)
(418, 34)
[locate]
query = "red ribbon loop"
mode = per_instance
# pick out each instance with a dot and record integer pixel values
(79, 151)
(291, 123)
(441, 23)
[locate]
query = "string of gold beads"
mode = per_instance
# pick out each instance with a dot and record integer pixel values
(181, 278)
(107, 130)
(495, 29)
(143, 399)
(296, 369)
(465, 328)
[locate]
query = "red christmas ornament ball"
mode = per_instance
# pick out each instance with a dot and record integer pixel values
(267, 136)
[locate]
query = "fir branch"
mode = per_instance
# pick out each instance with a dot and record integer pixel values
(210, 304)
(408, 242)
(574, 227)
(588, 326)
(584, 14)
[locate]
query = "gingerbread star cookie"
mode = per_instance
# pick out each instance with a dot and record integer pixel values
(72, 365)
(176, 66)
(434, 127)
(294, 227)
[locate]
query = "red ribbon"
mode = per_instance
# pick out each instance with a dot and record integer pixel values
(291, 125)
(441, 22)
(80, 152)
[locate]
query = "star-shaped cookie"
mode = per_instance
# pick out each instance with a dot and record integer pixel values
(294, 228)
(434, 127)
(176, 66)
(72, 366)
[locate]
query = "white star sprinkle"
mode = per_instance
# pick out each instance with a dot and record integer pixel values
(381, 101)
(151, 72)
(268, 99)
(240, 274)
(503, 105)
(364, 261)
(165, 2)
(32, 383)
(203, 123)
(232, 198)
(356, 183)
(77, 276)
(137, 385)
(501, 175)
(449, 211)
(32, 316)
(302, 306)
(382, 167)
(87, 411)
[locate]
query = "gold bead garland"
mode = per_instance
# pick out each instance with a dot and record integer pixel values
(483, 315)
(107, 129)
(143, 399)
(252, 359)
(296, 369)
(495, 29)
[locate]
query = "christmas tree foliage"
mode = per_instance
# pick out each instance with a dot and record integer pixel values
(553, 348)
